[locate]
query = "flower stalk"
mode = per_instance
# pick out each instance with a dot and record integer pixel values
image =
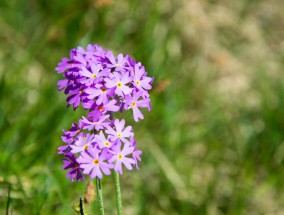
(100, 196)
(81, 206)
(117, 193)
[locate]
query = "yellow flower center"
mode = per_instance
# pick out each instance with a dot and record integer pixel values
(96, 161)
(84, 138)
(119, 84)
(101, 108)
(137, 82)
(120, 156)
(94, 75)
(95, 123)
(107, 143)
(81, 91)
(103, 90)
(119, 134)
(133, 104)
(85, 147)
(118, 64)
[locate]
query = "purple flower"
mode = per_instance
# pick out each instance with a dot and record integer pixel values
(119, 156)
(97, 122)
(62, 84)
(120, 133)
(136, 156)
(119, 82)
(141, 82)
(63, 65)
(134, 104)
(74, 130)
(110, 106)
(94, 76)
(82, 143)
(76, 95)
(113, 64)
(80, 60)
(63, 149)
(136, 153)
(93, 162)
(100, 92)
(75, 172)
(103, 141)
(68, 138)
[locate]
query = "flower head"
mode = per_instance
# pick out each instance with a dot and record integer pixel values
(103, 84)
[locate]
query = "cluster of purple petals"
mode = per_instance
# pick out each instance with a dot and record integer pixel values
(104, 84)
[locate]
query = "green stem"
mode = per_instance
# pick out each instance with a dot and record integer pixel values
(100, 196)
(118, 193)
(81, 206)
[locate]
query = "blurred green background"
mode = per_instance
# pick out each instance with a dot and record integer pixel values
(213, 143)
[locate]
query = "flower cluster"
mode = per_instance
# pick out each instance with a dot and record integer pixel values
(103, 83)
